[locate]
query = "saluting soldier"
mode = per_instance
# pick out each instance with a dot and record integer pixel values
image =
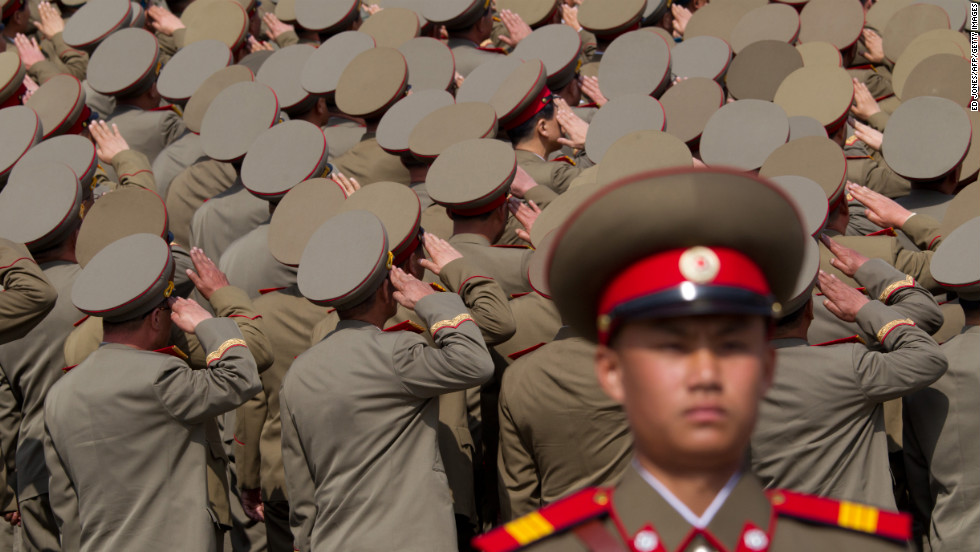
(681, 311)
(27, 294)
(377, 472)
(142, 440)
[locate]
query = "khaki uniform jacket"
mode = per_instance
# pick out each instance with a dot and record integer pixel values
(538, 321)
(175, 158)
(250, 266)
(32, 364)
(359, 432)
(227, 302)
(148, 132)
(125, 439)
(942, 450)
(469, 56)
(190, 189)
(865, 170)
(368, 163)
(225, 218)
(342, 135)
(821, 425)
(507, 265)
(26, 295)
(557, 174)
(640, 508)
(59, 58)
(559, 432)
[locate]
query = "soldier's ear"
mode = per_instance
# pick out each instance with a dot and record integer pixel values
(609, 372)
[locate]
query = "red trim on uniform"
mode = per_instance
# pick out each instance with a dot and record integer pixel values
(270, 290)
(17, 261)
(230, 347)
(172, 350)
(522, 352)
(79, 323)
(461, 322)
(470, 278)
(532, 109)
(482, 209)
(661, 271)
(884, 232)
(851, 339)
(256, 317)
(884, 337)
(136, 173)
(237, 440)
(67, 369)
(564, 159)
(933, 241)
(405, 326)
(437, 287)
(516, 295)
(167, 107)
(492, 49)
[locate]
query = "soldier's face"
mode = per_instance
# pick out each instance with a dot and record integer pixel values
(690, 386)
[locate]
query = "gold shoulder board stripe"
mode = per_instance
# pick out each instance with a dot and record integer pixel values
(883, 332)
(224, 347)
(454, 323)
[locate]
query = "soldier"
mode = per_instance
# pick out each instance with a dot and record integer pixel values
(52, 56)
(468, 23)
(941, 420)
(27, 295)
(681, 311)
(132, 393)
(382, 442)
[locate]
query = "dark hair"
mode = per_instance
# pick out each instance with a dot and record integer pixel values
(792, 319)
(522, 131)
(969, 306)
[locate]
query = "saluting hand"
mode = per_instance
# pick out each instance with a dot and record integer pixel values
(516, 28)
(590, 87)
(163, 20)
(208, 278)
(350, 185)
(845, 259)
(842, 300)
(881, 210)
(51, 22)
(440, 252)
(526, 214)
(108, 142)
(409, 289)
(187, 314)
(275, 26)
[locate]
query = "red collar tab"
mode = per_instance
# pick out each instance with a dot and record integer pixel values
(543, 98)
(713, 267)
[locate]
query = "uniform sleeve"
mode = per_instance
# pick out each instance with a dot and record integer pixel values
(862, 169)
(9, 426)
(484, 298)
(917, 265)
(459, 361)
(61, 59)
(27, 296)
(562, 175)
(911, 361)
(249, 419)
(83, 340)
(921, 498)
(233, 303)
(519, 485)
(172, 127)
(541, 195)
(287, 38)
(299, 481)
(901, 292)
(230, 378)
(61, 494)
(923, 230)
(133, 169)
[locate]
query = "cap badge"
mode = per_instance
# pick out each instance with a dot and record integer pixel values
(699, 265)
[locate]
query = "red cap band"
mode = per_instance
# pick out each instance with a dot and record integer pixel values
(14, 99)
(666, 270)
(81, 122)
(407, 251)
(531, 110)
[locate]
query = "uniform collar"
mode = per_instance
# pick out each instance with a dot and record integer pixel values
(784, 342)
(469, 238)
(638, 507)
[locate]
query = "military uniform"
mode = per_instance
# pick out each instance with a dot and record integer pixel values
(833, 394)
(469, 56)
(59, 59)
(175, 159)
(556, 174)
(559, 433)
(938, 420)
(26, 295)
(368, 162)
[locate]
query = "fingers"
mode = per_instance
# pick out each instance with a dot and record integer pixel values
(524, 235)
(833, 308)
(833, 246)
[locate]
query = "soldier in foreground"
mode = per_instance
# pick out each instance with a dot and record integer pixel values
(681, 305)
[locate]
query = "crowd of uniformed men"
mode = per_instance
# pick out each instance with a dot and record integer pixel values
(619, 275)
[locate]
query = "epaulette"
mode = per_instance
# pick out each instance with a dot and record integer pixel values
(173, 351)
(550, 520)
(492, 49)
(437, 287)
(564, 159)
(884, 232)
(850, 339)
(522, 352)
(168, 107)
(264, 291)
(841, 513)
(67, 369)
(521, 294)
(407, 326)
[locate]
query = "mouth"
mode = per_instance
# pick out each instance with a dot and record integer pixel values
(705, 414)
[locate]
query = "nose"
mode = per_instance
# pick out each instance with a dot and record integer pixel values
(704, 370)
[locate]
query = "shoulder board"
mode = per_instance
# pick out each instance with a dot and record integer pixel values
(859, 157)
(168, 107)
(67, 369)
(437, 287)
(407, 326)
(884, 232)
(264, 291)
(587, 105)
(516, 295)
(492, 49)
(510, 246)
(531, 349)
(851, 339)
(564, 159)
(839, 513)
(173, 351)
(851, 141)
(80, 320)
(552, 519)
